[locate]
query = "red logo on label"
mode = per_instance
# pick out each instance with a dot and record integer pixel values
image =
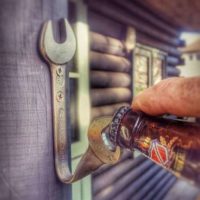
(159, 153)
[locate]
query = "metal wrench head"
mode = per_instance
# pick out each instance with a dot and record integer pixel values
(57, 53)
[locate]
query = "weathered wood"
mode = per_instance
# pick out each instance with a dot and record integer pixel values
(128, 183)
(144, 39)
(103, 25)
(107, 110)
(109, 79)
(153, 193)
(136, 184)
(172, 71)
(173, 61)
(107, 62)
(118, 171)
(107, 44)
(26, 139)
(161, 194)
(147, 17)
(116, 13)
(110, 96)
(143, 191)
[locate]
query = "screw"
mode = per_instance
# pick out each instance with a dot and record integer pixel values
(60, 96)
(59, 71)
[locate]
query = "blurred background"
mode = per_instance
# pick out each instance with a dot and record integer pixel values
(123, 47)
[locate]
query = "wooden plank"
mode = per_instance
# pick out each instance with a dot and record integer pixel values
(117, 172)
(116, 13)
(136, 184)
(145, 189)
(107, 62)
(128, 184)
(110, 96)
(163, 192)
(26, 137)
(153, 193)
(109, 79)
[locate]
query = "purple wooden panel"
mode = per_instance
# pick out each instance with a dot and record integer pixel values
(26, 141)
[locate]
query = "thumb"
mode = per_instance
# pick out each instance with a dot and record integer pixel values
(178, 96)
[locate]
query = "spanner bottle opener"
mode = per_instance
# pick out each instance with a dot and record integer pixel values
(57, 55)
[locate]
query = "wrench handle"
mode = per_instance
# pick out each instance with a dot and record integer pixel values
(89, 162)
(61, 137)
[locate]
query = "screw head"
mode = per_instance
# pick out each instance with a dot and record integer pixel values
(60, 71)
(60, 96)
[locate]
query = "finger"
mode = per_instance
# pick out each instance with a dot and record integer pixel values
(178, 96)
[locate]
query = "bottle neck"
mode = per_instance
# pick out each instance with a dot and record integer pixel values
(125, 125)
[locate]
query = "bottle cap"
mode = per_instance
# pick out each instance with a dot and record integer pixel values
(125, 122)
(97, 141)
(115, 124)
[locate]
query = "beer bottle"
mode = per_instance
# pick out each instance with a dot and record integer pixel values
(173, 144)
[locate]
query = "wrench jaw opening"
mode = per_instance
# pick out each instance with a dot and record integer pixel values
(53, 52)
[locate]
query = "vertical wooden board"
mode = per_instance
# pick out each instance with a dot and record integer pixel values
(26, 141)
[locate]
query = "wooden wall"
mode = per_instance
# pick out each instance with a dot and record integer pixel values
(26, 136)
(111, 64)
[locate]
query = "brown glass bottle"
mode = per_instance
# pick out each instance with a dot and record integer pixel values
(172, 144)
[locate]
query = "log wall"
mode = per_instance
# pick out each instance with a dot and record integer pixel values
(111, 66)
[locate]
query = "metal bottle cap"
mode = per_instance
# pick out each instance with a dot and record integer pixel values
(97, 142)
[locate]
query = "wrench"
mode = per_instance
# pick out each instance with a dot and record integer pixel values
(57, 55)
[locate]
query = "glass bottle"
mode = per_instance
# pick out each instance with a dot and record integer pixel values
(173, 144)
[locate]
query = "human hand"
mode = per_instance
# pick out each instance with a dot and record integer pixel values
(177, 96)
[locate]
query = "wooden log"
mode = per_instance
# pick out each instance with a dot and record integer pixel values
(172, 71)
(107, 96)
(158, 187)
(107, 44)
(113, 190)
(107, 62)
(147, 17)
(138, 183)
(161, 194)
(108, 110)
(116, 172)
(182, 43)
(145, 189)
(109, 79)
(107, 8)
(145, 39)
(173, 61)
(105, 26)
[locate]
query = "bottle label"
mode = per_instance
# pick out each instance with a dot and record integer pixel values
(159, 153)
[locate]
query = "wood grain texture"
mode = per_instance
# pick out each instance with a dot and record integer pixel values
(107, 62)
(26, 140)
